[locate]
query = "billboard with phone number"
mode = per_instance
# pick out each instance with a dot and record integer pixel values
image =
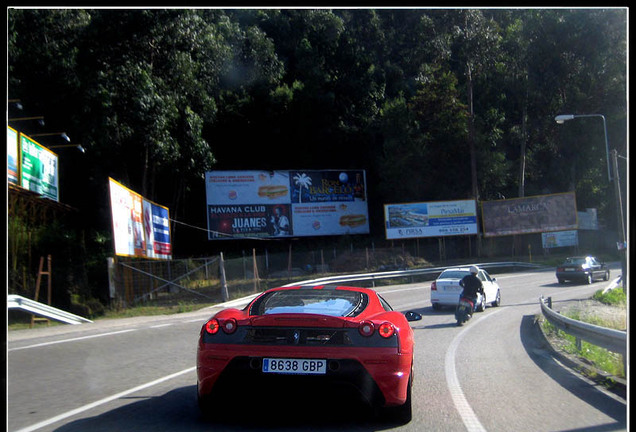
(141, 228)
(271, 204)
(430, 219)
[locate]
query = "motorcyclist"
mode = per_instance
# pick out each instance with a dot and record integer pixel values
(472, 285)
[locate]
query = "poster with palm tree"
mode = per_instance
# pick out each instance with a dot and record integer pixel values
(302, 180)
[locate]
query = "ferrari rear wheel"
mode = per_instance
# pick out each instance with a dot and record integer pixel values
(206, 406)
(404, 413)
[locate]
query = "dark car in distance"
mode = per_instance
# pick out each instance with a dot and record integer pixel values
(585, 269)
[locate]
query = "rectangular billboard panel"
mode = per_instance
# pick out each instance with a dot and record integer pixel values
(39, 171)
(541, 213)
(141, 228)
(560, 239)
(12, 156)
(430, 219)
(270, 204)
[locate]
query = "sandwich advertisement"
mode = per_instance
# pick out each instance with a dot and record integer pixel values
(141, 228)
(430, 219)
(271, 204)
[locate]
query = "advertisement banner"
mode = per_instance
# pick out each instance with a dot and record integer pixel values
(560, 239)
(140, 227)
(270, 204)
(157, 231)
(542, 213)
(39, 168)
(430, 219)
(12, 156)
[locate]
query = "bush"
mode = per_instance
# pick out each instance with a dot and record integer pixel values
(615, 297)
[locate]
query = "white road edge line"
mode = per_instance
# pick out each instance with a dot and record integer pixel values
(69, 340)
(464, 409)
(102, 401)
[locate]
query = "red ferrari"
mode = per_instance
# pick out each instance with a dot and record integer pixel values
(327, 339)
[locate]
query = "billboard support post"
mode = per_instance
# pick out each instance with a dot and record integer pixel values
(224, 292)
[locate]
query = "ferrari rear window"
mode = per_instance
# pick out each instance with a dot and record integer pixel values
(340, 303)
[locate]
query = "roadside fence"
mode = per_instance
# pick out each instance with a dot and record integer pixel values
(610, 339)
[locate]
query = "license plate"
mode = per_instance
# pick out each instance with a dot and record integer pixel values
(294, 366)
(569, 269)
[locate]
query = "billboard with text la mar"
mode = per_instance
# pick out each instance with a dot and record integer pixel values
(541, 213)
(295, 203)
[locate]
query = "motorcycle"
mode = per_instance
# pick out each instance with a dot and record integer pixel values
(464, 310)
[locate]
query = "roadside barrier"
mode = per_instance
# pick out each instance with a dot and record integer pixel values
(610, 339)
(411, 273)
(28, 305)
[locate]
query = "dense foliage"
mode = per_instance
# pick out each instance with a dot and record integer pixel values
(435, 104)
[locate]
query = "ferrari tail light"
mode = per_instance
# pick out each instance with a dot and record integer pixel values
(434, 286)
(366, 328)
(212, 326)
(386, 330)
(229, 326)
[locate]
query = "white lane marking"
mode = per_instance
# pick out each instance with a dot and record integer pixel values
(161, 325)
(102, 402)
(464, 409)
(69, 340)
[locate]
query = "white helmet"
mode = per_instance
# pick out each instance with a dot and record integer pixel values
(474, 269)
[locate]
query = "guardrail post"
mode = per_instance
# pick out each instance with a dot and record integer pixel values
(624, 359)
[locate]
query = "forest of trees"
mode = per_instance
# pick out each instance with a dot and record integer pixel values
(436, 104)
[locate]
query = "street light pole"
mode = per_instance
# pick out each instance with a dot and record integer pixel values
(560, 119)
(621, 245)
(60, 134)
(77, 146)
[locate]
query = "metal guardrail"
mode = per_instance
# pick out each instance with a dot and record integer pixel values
(409, 273)
(610, 339)
(28, 305)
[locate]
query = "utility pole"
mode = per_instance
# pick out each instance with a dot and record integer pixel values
(620, 227)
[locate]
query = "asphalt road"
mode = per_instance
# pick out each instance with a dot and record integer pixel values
(138, 374)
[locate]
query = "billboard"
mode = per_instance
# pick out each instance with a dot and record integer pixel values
(560, 239)
(12, 156)
(39, 171)
(542, 213)
(430, 219)
(271, 204)
(141, 228)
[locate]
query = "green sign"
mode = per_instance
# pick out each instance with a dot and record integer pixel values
(39, 168)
